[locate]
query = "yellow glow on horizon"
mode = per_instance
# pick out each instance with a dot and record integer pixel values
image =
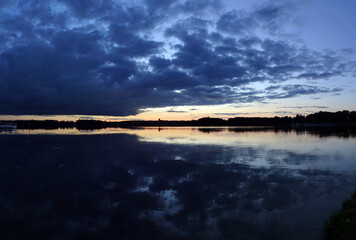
(192, 112)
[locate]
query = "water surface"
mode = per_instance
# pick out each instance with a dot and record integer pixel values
(176, 183)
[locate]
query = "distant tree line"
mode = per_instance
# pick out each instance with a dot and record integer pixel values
(341, 118)
(328, 117)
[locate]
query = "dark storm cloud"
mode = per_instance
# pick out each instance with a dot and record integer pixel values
(226, 114)
(283, 112)
(235, 22)
(267, 16)
(129, 44)
(175, 111)
(110, 58)
(289, 91)
(88, 8)
(187, 6)
(302, 107)
(165, 79)
(154, 4)
(271, 88)
(159, 63)
(198, 5)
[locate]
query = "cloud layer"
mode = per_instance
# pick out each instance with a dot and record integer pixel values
(115, 58)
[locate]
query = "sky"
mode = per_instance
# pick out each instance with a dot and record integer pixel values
(175, 59)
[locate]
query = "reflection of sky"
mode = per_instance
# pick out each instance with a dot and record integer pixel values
(258, 148)
(106, 186)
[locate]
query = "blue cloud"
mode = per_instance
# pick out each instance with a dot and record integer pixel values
(100, 57)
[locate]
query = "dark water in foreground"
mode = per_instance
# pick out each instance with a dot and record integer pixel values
(172, 183)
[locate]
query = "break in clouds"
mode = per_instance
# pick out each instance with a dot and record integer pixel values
(114, 58)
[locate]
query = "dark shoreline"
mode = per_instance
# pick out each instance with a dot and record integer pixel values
(341, 119)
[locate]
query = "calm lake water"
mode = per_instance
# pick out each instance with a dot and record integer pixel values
(173, 183)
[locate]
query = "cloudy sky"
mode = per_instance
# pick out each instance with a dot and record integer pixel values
(175, 59)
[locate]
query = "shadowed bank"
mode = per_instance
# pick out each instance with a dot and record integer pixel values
(342, 225)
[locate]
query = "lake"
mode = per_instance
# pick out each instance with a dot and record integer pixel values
(173, 183)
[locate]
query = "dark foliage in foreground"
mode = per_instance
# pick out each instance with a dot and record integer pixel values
(341, 118)
(342, 225)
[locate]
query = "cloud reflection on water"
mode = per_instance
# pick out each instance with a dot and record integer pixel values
(125, 186)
